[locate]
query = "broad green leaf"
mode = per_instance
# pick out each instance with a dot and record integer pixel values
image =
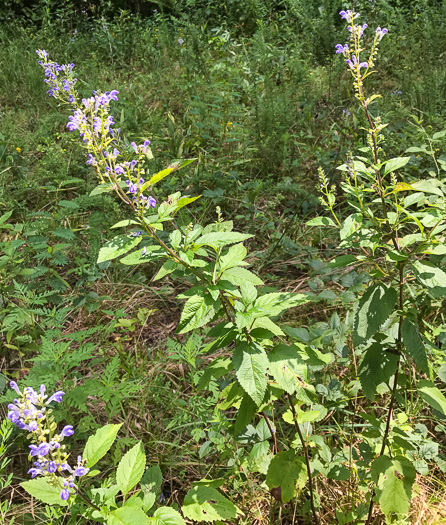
(175, 239)
(6, 216)
(342, 261)
(120, 245)
(234, 257)
(136, 257)
(167, 268)
(377, 366)
(284, 470)
(128, 515)
(251, 363)
(123, 223)
(249, 292)
(239, 275)
(152, 479)
(339, 472)
(245, 414)
(218, 239)
(99, 444)
(414, 345)
(432, 395)
(275, 303)
(157, 177)
(428, 186)
(394, 478)
(350, 225)
(395, 164)
(218, 368)
(167, 516)
(374, 308)
(40, 489)
(207, 504)
(431, 277)
(321, 221)
(102, 188)
(265, 322)
(184, 201)
(197, 312)
(68, 204)
(287, 366)
(131, 468)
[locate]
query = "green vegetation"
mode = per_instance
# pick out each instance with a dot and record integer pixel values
(279, 356)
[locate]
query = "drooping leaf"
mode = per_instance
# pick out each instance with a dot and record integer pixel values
(167, 268)
(128, 515)
(40, 489)
(118, 246)
(99, 444)
(432, 395)
(245, 414)
(350, 225)
(251, 363)
(238, 276)
(284, 470)
(395, 164)
(414, 345)
(207, 504)
(121, 224)
(276, 303)
(394, 478)
(377, 366)
(321, 221)
(131, 468)
(374, 308)
(431, 277)
(287, 366)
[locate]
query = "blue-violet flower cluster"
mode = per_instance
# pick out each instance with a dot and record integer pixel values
(31, 411)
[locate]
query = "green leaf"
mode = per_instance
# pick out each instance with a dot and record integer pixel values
(377, 367)
(40, 489)
(245, 414)
(283, 471)
(152, 479)
(164, 173)
(431, 278)
(234, 257)
(102, 188)
(218, 239)
(131, 468)
(342, 261)
(374, 308)
(432, 395)
(68, 204)
(287, 366)
(428, 186)
(394, 479)
(167, 516)
(350, 225)
(339, 472)
(251, 363)
(167, 268)
(321, 221)
(395, 164)
(123, 223)
(207, 504)
(117, 246)
(238, 276)
(184, 201)
(197, 312)
(99, 444)
(414, 345)
(175, 239)
(6, 216)
(128, 515)
(275, 303)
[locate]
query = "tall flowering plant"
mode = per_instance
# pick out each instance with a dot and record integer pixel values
(396, 224)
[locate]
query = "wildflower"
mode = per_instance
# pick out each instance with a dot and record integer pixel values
(119, 170)
(132, 187)
(180, 41)
(56, 397)
(67, 431)
(381, 32)
(64, 494)
(18, 150)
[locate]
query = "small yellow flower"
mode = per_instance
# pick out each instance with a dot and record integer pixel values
(31, 35)
(18, 150)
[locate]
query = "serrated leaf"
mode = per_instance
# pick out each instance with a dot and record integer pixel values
(219, 239)
(167, 516)
(395, 164)
(377, 366)
(118, 246)
(131, 468)
(374, 308)
(143, 255)
(152, 479)
(245, 414)
(251, 363)
(432, 395)
(394, 478)
(431, 278)
(234, 257)
(283, 471)
(99, 444)
(428, 186)
(286, 365)
(207, 504)
(197, 312)
(272, 304)
(167, 268)
(238, 276)
(128, 515)
(40, 489)
(414, 345)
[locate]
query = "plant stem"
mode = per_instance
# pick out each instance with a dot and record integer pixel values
(307, 461)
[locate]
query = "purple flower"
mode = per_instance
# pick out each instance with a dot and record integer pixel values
(119, 170)
(339, 49)
(67, 431)
(180, 41)
(132, 187)
(34, 472)
(33, 426)
(64, 494)
(57, 396)
(151, 202)
(144, 251)
(51, 467)
(90, 159)
(134, 146)
(14, 386)
(113, 94)
(363, 64)
(80, 471)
